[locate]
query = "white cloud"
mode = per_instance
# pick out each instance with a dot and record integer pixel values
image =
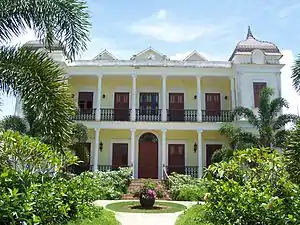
(288, 92)
(162, 28)
(28, 35)
(284, 12)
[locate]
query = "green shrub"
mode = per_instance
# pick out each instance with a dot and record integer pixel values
(186, 188)
(252, 188)
(292, 154)
(193, 216)
(105, 185)
(38, 192)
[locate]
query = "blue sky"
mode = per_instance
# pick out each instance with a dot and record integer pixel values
(175, 28)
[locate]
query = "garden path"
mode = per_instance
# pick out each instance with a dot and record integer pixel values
(145, 218)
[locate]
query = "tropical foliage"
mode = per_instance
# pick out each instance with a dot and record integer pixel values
(269, 123)
(292, 154)
(186, 188)
(251, 188)
(31, 74)
(35, 190)
(296, 74)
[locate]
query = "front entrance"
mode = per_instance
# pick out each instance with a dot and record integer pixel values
(148, 156)
(176, 106)
(121, 106)
(119, 155)
(210, 149)
(176, 158)
(213, 104)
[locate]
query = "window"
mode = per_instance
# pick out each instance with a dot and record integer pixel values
(257, 87)
(85, 101)
(149, 103)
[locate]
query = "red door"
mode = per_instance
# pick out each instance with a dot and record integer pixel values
(210, 149)
(119, 155)
(121, 106)
(85, 102)
(213, 104)
(148, 156)
(176, 106)
(176, 158)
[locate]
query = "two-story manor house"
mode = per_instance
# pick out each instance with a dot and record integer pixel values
(155, 114)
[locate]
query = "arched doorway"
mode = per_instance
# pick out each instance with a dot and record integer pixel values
(148, 156)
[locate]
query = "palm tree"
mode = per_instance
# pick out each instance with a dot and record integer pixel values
(237, 139)
(296, 74)
(269, 121)
(33, 75)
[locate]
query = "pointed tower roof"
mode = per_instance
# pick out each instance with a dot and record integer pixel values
(251, 43)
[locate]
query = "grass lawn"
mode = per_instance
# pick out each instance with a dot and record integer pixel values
(192, 216)
(104, 217)
(134, 207)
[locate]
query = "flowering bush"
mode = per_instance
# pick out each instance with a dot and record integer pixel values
(147, 191)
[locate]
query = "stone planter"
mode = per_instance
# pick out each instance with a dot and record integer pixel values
(147, 202)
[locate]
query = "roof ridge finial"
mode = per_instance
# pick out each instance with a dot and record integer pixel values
(249, 34)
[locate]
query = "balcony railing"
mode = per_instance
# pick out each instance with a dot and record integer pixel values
(115, 114)
(148, 114)
(106, 168)
(217, 116)
(182, 115)
(85, 114)
(187, 170)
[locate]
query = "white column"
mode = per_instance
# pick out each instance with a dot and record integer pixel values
(98, 98)
(96, 150)
(232, 88)
(133, 98)
(164, 98)
(163, 150)
(199, 153)
(132, 152)
(199, 102)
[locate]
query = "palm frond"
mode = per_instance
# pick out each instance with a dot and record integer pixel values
(67, 21)
(276, 106)
(283, 120)
(247, 113)
(14, 123)
(281, 138)
(264, 104)
(37, 79)
(296, 74)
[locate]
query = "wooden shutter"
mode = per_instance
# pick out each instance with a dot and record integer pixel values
(257, 87)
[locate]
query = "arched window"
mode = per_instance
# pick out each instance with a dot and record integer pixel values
(148, 137)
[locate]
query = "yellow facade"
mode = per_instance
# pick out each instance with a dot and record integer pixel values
(112, 84)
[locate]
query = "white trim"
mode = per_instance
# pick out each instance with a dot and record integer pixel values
(158, 152)
(88, 89)
(195, 52)
(92, 141)
(174, 90)
(120, 141)
(107, 52)
(148, 90)
(221, 98)
(184, 142)
(210, 142)
(147, 50)
(121, 90)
